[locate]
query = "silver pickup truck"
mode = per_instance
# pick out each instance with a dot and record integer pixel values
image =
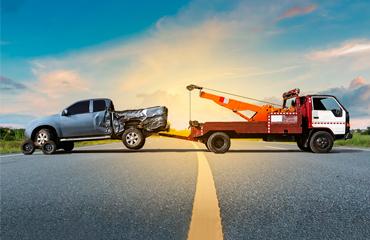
(93, 119)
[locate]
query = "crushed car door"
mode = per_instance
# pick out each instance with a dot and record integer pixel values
(101, 117)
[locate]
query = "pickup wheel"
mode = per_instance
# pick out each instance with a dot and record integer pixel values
(321, 142)
(300, 144)
(218, 142)
(68, 146)
(28, 147)
(49, 147)
(133, 138)
(42, 136)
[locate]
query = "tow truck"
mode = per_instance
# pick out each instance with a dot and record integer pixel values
(314, 122)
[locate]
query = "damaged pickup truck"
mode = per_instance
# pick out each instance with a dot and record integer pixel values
(93, 119)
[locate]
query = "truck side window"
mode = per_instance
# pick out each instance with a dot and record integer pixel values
(327, 104)
(79, 108)
(99, 105)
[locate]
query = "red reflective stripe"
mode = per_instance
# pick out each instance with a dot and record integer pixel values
(328, 123)
(222, 99)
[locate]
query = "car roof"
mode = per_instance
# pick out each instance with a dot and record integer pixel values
(93, 99)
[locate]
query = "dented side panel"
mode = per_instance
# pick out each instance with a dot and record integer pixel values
(150, 119)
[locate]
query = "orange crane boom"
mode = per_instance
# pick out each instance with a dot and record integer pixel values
(261, 112)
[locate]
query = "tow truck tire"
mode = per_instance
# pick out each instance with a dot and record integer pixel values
(133, 138)
(207, 147)
(300, 144)
(28, 147)
(321, 142)
(68, 146)
(218, 142)
(49, 147)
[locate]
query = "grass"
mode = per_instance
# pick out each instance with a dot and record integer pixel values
(13, 146)
(357, 140)
(98, 142)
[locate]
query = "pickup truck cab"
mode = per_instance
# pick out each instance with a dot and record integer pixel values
(93, 119)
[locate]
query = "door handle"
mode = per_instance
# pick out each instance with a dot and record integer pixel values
(315, 117)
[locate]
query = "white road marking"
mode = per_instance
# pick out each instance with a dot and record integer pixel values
(279, 148)
(11, 155)
(205, 220)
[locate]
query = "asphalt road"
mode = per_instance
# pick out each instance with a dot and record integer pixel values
(264, 191)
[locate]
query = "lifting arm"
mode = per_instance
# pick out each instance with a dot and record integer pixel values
(234, 105)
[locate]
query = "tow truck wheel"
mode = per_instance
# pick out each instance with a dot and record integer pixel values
(49, 147)
(300, 144)
(218, 142)
(133, 138)
(28, 147)
(207, 147)
(68, 146)
(321, 142)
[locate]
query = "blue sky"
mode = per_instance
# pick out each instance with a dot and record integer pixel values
(145, 52)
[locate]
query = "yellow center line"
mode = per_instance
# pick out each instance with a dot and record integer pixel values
(205, 220)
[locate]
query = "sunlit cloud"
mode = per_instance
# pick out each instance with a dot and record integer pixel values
(222, 50)
(296, 11)
(348, 48)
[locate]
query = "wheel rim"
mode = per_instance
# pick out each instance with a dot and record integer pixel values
(132, 138)
(218, 142)
(42, 138)
(48, 147)
(27, 147)
(322, 142)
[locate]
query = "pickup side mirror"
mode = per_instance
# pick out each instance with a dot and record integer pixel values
(65, 112)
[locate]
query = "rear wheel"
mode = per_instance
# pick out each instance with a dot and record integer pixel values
(28, 147)
(300, 144)
(218, 142)
(321, 142)
(49, 147)
(133, 138)
(68, 146)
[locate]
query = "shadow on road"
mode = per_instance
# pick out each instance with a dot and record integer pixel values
(182, 150)
(175, 150)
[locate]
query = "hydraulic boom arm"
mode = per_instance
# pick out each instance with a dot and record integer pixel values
(237, 106)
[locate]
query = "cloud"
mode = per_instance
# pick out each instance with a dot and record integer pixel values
(15, 120)
(59, 82)
(346, 49)
(227, 50)
(355, 97)
(296, 11)
(8, 85)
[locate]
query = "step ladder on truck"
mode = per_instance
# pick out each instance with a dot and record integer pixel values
(313, 121)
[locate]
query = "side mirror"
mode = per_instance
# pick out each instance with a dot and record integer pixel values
(65, 112)
(337, 112)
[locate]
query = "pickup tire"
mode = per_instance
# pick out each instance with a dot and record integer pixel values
(218, 142)
(42, 136)
(49, 147)
(321, 142)
(28, 147)
(68, 146)
(133, 138)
